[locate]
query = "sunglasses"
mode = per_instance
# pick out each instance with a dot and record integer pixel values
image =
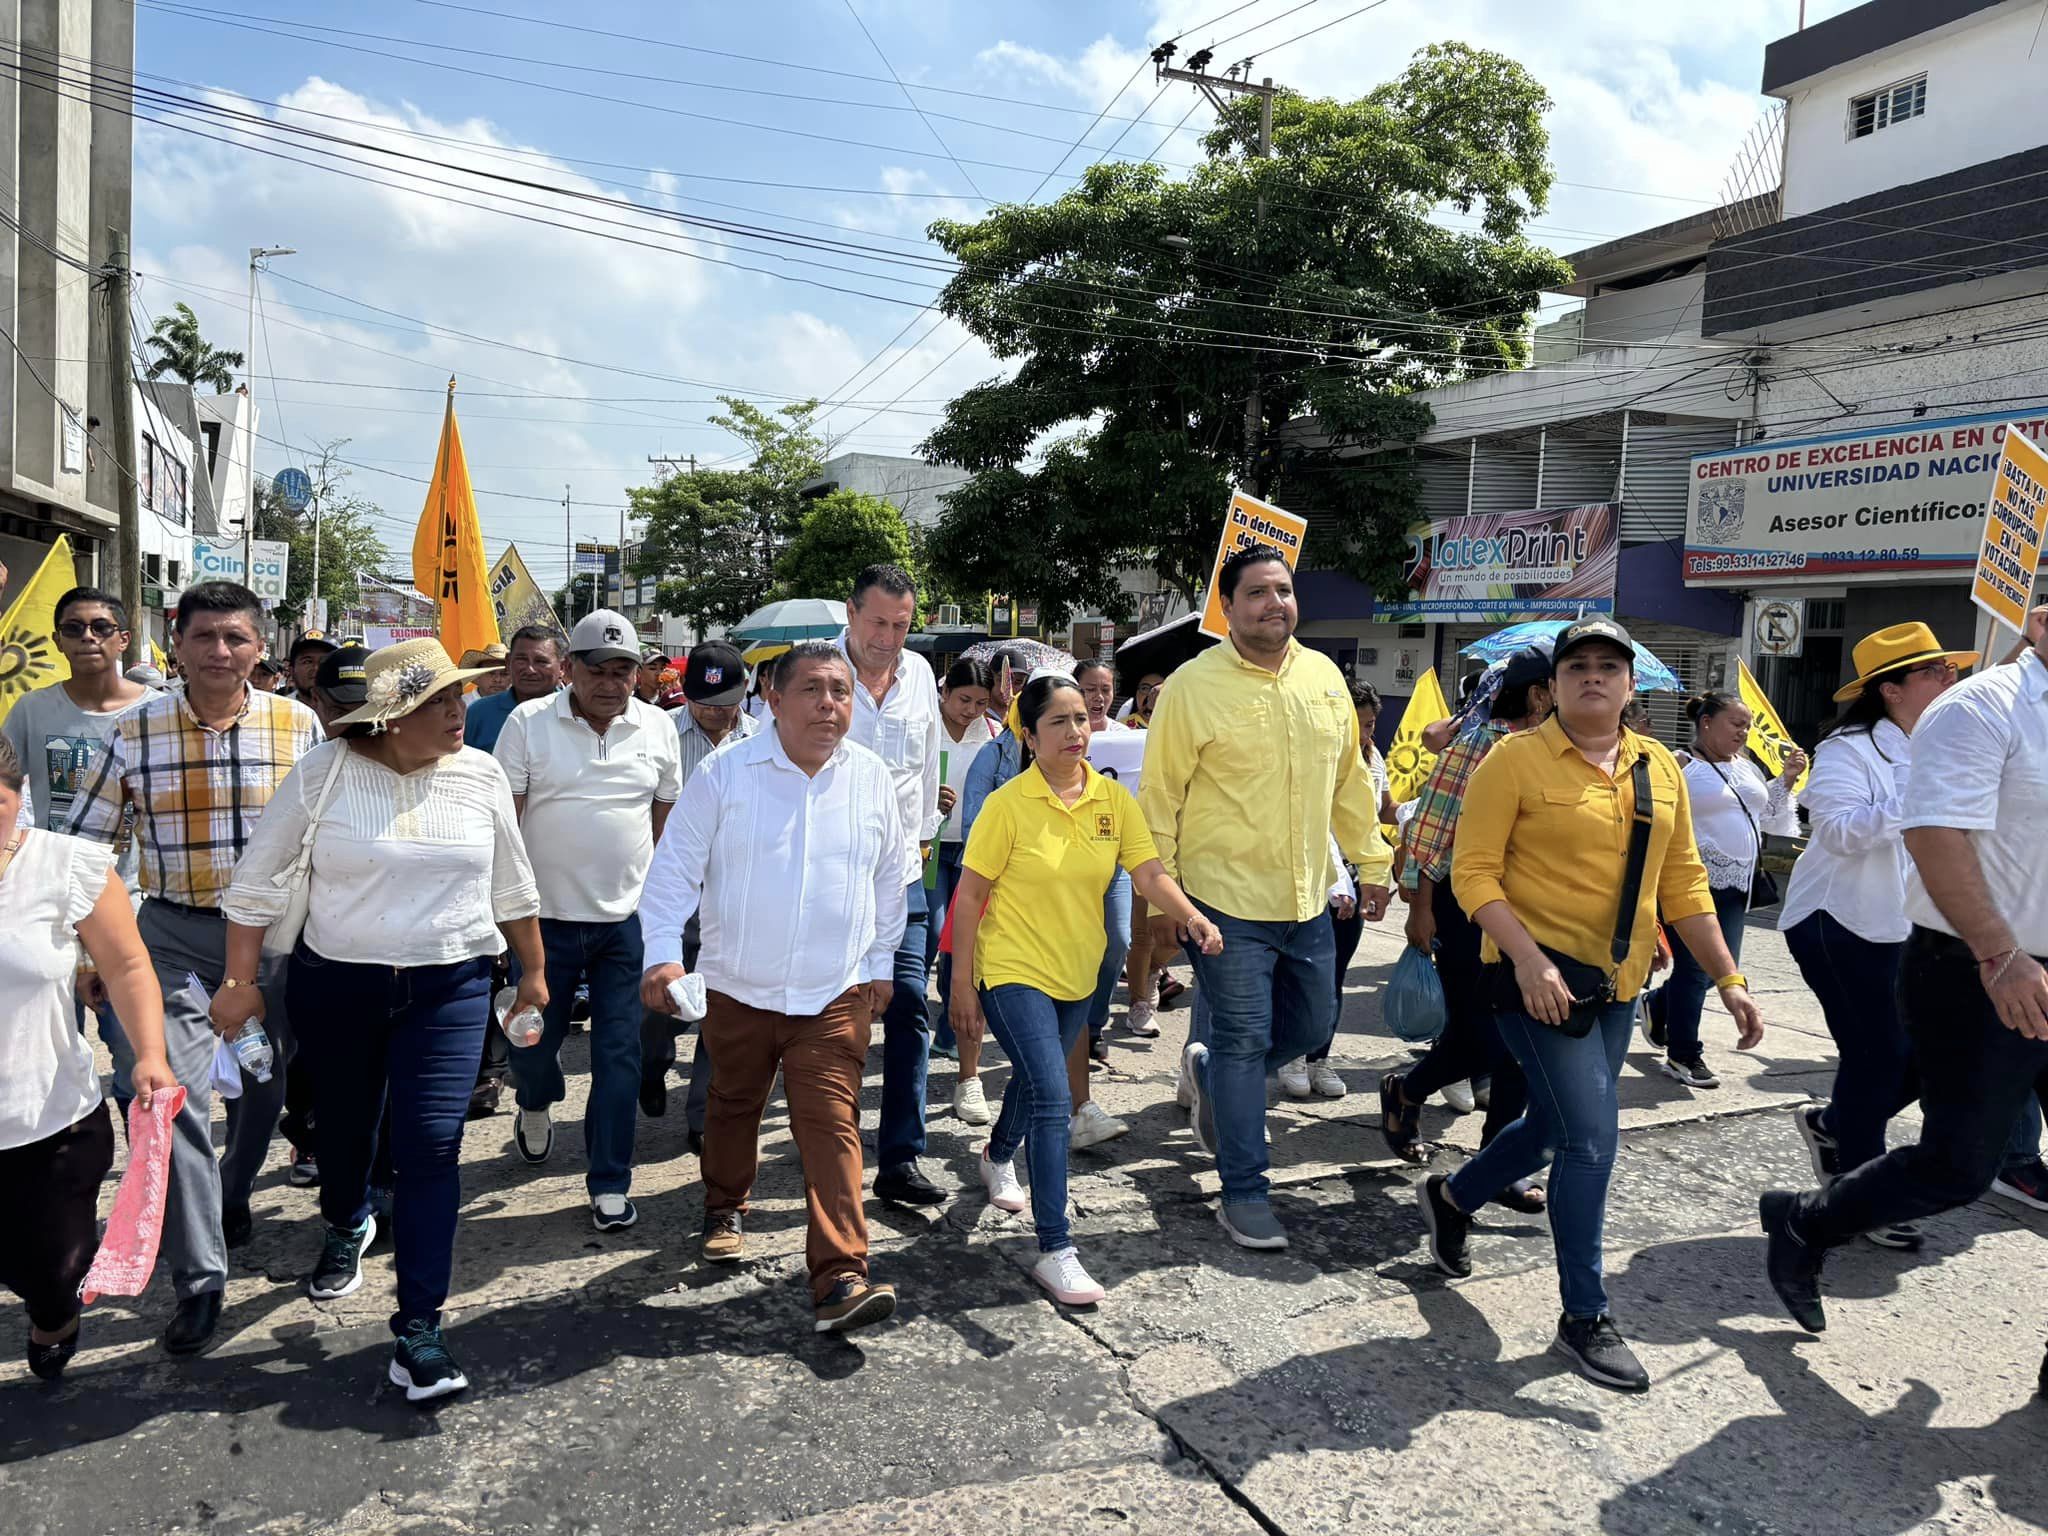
(78, 629)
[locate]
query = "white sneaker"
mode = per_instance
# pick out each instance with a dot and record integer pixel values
(1000, 1179)
(1061, 1274)
(1458, 1096)
(533, 1133)
(1294, 1079)
(1324, 1079)
(1140, 1020)
(1093, 1125)
(970, 1106)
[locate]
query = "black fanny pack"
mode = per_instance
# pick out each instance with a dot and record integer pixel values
(1591, 987)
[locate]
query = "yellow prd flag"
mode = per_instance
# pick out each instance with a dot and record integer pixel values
(448, 563)
(29, 658)
(1408, 762)
(1768, 737)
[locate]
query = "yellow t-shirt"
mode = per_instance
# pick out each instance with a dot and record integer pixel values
(1050, 864)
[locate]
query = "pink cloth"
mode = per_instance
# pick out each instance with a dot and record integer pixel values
(127, 1253)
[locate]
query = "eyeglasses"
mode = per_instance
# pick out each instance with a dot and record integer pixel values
(1937, 668)
(78, 629)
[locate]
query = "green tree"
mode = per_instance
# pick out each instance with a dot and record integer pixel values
(350, 544)
(840, 535)
(182, 352)
(1144, 313)
(713, 538)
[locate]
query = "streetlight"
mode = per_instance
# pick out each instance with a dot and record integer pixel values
(256, 254)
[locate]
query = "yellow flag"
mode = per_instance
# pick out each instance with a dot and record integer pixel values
(448, 563)
(1768, 737)
(29, 658)
(1408, 763)
(158, 660)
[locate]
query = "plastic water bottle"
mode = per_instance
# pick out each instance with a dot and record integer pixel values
(254, 1051)
(522, 1028)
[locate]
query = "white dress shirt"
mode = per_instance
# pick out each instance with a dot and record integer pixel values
(408, 869)
(903, 729)
(796, 879)
(1980, 765)
(1854, 866)
(1733, 806)
(588, 818)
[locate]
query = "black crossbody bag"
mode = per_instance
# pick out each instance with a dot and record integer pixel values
(1591, 987)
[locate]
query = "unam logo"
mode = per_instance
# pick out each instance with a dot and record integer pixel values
(1720, 515)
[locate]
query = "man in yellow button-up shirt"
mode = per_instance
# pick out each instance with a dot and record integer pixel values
(1251, 763)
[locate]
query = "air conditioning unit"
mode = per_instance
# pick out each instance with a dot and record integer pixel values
(948, 616)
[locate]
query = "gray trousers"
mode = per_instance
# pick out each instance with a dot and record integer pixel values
(183, 941)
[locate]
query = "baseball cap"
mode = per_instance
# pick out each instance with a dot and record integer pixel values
(341, 675)
(1531, 664)
(715, 674)
(603, 635)
(1587, 632)
(307, 643)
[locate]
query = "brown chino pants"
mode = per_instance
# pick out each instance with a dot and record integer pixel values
(822, 1058)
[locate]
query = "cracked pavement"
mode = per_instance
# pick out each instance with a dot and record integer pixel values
(620, 1385)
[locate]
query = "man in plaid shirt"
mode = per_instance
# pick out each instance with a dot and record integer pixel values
(196, 769)
(1469, 1045)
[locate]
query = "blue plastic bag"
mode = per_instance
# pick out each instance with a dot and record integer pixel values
(1415, 997)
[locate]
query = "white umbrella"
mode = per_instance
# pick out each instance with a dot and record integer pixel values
(793, 619)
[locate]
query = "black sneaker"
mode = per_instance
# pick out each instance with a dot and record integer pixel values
(1692, 1071)
(423, 1366)
(305, 1169)
(1825, 1151)
(47, 1361)
(1793, 1265)
(2025, 1184)
(1597, 1352)
(1448, 1227)
(905, 1184)
(1653, 1027)
(1098, 1049)
(237, 1225)
(654, 1094)
(340, 1270)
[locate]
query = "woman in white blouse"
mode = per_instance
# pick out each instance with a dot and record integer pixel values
(1845, 908)
(57, 894)
(417, 869)
(1733, 806)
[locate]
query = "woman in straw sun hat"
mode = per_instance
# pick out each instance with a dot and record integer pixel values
(416, 871)
(1844, 917)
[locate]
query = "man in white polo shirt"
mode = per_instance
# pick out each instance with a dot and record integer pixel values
(789, 847)
(896, 716)
(594, 772)
(1971, 982)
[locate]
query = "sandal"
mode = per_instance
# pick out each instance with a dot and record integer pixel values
(1400, 1121)
(1525, 1196)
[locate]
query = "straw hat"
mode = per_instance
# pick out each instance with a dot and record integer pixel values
(399, 678)
(1893, 650)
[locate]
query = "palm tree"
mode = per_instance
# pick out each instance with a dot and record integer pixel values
(180, 350)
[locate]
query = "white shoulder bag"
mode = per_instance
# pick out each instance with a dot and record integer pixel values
(296, 878)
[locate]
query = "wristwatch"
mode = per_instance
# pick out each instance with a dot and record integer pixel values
(230, 984)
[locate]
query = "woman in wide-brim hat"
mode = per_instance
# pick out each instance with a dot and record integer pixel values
(1844, 917)
(418, 879)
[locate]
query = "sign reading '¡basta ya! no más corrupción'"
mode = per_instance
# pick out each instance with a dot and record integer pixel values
(1893, 499)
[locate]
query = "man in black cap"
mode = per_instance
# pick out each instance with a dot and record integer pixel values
(307, 652)
(338, 685)
(714, 688)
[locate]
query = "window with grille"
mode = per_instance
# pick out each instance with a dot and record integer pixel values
(1882, 108)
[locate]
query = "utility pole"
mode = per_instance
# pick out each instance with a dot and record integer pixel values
(674, 464)
(121, 375)
(256, 255)
(622, 557)
(1234, 81)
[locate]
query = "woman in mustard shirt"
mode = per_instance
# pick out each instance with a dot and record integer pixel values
(1028, 940)
(1542, 853)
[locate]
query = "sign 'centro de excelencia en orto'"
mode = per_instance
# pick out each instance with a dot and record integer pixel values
(1903, 498)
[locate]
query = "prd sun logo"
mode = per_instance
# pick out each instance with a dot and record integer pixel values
(27, 662)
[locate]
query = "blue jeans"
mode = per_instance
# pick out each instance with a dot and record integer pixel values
(609, 956)
(1678, 1002)
(1269, 999)
(941, 896)
(1574, 1119)
(1345, 932)
(1036, 1033)
(1116, 922)
(906, 1046)
(418, 1035)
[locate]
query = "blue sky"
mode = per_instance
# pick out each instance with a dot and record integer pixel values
(607, 349)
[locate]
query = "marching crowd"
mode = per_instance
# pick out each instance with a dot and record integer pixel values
(385, 882)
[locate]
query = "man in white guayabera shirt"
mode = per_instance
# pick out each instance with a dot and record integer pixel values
(789, 849)
(594, 772)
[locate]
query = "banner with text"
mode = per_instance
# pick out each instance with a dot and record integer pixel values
(1905, 499)
(2011, 555)
(518, 596)
(1558, 563)
(1250, 521)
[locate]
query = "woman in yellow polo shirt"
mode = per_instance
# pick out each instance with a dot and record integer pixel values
(1027, 943)
(1542, 853)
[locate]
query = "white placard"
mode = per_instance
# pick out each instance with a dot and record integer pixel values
(1118, 755)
